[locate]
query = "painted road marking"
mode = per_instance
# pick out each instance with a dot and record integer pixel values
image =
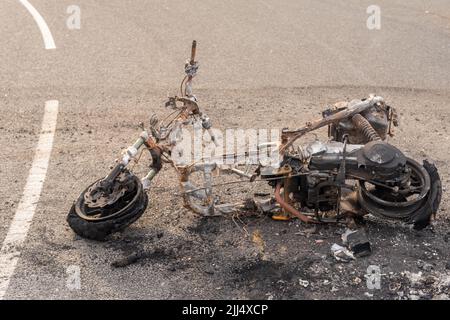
(45, 31)
(17, 233)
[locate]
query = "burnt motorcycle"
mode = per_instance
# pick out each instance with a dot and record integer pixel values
(354, 173)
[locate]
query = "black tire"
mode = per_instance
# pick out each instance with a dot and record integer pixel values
(422, 216)
(99, 230)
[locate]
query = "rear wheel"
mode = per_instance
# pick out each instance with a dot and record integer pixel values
(124, 207)
(415, 203)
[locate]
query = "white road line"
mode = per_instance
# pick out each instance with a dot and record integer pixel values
(46, 34)
(17, 233)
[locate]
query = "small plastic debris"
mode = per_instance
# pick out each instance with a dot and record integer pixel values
(357, 242)
(341, 253)
(303, 283)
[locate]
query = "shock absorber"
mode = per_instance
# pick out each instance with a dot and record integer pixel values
(365, 127)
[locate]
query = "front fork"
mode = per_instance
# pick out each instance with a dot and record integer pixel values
(130, 154)
(154, 168)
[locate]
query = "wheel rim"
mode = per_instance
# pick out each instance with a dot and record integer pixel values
(120, 207)
(400, 204)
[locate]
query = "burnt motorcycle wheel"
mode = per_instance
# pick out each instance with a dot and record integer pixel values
(416, 206)
(111, 218)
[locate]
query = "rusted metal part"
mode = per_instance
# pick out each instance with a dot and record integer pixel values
(349, 203)
(365, 128)
(286, 206)
(205, 195)
(352, 108)
(101, 195)
(393, 120)
(191, 68)
(193, 51)
(151, 143)
(288, 187)
(376, 117)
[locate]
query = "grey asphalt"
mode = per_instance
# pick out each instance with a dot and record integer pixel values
(128, 55)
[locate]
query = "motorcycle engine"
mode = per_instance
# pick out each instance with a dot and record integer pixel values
(375, 161)
(378, 117)
(381, 161)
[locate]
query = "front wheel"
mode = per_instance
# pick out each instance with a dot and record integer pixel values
(95, 217)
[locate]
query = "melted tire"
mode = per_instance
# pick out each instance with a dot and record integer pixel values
(419, 215)
(99, 230)
(422, 216)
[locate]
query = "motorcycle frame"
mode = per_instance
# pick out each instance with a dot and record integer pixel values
(160, 145)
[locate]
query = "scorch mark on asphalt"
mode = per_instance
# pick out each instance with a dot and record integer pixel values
(46, 34)
(17, 233)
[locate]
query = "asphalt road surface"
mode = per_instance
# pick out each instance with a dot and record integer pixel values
(262, 64)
